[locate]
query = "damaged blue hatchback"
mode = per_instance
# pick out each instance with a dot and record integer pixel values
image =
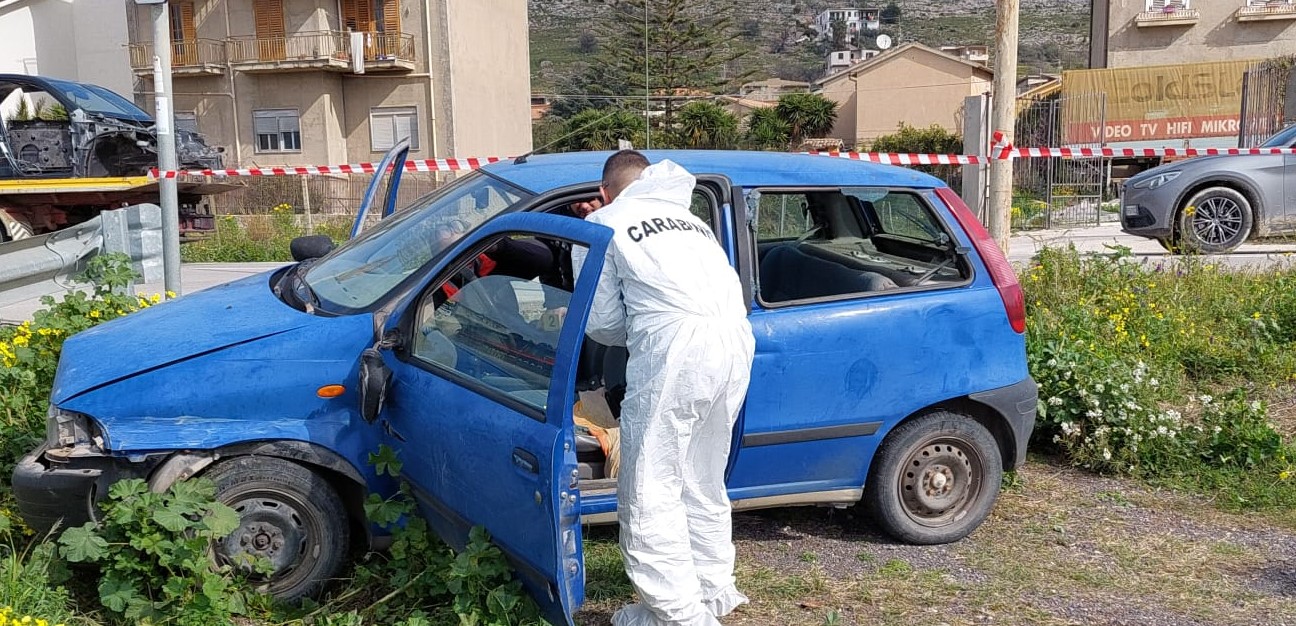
(890, 369)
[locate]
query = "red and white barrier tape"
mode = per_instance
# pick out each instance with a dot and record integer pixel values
(999, 150)
(425, 165)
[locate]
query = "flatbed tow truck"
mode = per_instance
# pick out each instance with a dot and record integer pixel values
(33, 206)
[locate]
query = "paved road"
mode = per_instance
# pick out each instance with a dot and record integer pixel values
(199, 276)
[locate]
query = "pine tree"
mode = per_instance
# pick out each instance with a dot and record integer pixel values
(674, 46)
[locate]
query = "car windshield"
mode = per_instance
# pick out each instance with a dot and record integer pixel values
(95, 99)
(1283, 139)
(363, 271)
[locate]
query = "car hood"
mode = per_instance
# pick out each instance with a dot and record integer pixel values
(185, 328)
(1210, 162)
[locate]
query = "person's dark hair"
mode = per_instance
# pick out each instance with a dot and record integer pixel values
(621, 169)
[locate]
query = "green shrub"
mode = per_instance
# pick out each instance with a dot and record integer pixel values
(1157, 371)
(153, 552)
(29, 352)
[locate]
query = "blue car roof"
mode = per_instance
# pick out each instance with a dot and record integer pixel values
(544, 172)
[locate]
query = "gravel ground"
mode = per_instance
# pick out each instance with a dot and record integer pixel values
(1062, 547)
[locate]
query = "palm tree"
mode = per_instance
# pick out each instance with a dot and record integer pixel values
(766, 130)
(601, 129)
(807, 115)
(706, 125)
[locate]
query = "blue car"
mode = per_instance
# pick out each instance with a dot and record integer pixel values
(890, 369)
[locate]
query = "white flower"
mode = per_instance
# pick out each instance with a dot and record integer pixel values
(1106, 454)
(1055, 401)
(1173, 415)
(1094, 413)
(1052, 362)
(1153, 382)
(1206, 400)
(1255, 405)
(1161, 430)
(1099, 387)
(1217, 430)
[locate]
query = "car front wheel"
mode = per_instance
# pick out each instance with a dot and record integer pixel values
(288, 516)
(1215, 221)
(935, 479)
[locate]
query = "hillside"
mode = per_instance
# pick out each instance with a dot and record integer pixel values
(1054, 34)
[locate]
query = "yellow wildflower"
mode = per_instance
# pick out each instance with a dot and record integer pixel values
(94, 313)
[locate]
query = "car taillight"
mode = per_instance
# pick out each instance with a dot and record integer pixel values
(1001, 271)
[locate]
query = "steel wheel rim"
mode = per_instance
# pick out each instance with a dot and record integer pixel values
(1217, 221)
(939, 480)
(272, 526)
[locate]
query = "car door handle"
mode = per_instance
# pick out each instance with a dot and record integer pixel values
(526, 461)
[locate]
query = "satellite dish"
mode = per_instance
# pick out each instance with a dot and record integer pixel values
(883, 42)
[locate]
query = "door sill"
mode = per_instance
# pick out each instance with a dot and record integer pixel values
(810, 498)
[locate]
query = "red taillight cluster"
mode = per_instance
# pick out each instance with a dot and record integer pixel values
(1001, 271)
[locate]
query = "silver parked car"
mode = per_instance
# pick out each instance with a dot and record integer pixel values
(1212, 204)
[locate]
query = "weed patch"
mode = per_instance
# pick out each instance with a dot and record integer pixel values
(1157, 372)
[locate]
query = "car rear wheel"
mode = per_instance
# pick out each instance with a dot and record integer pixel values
(1215, 221)
(289, 516)
(935, 479)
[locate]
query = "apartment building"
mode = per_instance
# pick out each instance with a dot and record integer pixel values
(77, 40)
(1125, 33)
(855, 20)
(340, 81)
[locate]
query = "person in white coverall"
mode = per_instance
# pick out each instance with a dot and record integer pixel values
(668, 293)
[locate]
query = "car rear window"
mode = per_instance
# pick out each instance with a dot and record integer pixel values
(834, 243)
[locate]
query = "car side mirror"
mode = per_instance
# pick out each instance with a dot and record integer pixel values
(375, 380)
(310, 247)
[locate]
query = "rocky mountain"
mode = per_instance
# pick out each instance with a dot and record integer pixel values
(1053, 33)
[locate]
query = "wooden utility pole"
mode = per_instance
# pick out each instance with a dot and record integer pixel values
(1003, 119)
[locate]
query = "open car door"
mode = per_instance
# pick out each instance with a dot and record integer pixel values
(381, 193)
(477, 380)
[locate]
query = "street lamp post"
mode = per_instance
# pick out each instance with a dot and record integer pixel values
(164, 118)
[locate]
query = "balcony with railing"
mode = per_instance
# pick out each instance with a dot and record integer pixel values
(326, 50)
(1267, 10)
(1167, 13)
(194, 57)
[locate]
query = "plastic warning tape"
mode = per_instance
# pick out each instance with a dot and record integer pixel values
(424, 165)
(999, 150)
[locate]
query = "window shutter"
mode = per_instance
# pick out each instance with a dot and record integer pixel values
(358, 15)
(266, 124)
(381, 132)
(391, 17)
(269, 18)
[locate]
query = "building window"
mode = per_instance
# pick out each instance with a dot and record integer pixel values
(186, 120)
(1269, 3)
(1168, 6)
(277, 130)
(387, 125)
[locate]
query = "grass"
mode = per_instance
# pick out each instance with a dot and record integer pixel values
(259, 238)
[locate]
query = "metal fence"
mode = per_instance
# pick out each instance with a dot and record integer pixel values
(256, 221)
(1052, 193)
(1265, 94)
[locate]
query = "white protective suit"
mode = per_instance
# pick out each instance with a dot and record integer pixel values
(668, 293)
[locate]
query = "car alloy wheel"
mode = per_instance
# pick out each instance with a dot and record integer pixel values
(1215, 221)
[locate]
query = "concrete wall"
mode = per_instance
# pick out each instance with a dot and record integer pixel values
(1217, 36)
(912, 86)
(364, 93)
(490, 79)
(83, 41)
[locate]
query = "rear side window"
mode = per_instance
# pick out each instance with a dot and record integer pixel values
(834, 243)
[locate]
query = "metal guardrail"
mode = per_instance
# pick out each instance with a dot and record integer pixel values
(45, 264)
